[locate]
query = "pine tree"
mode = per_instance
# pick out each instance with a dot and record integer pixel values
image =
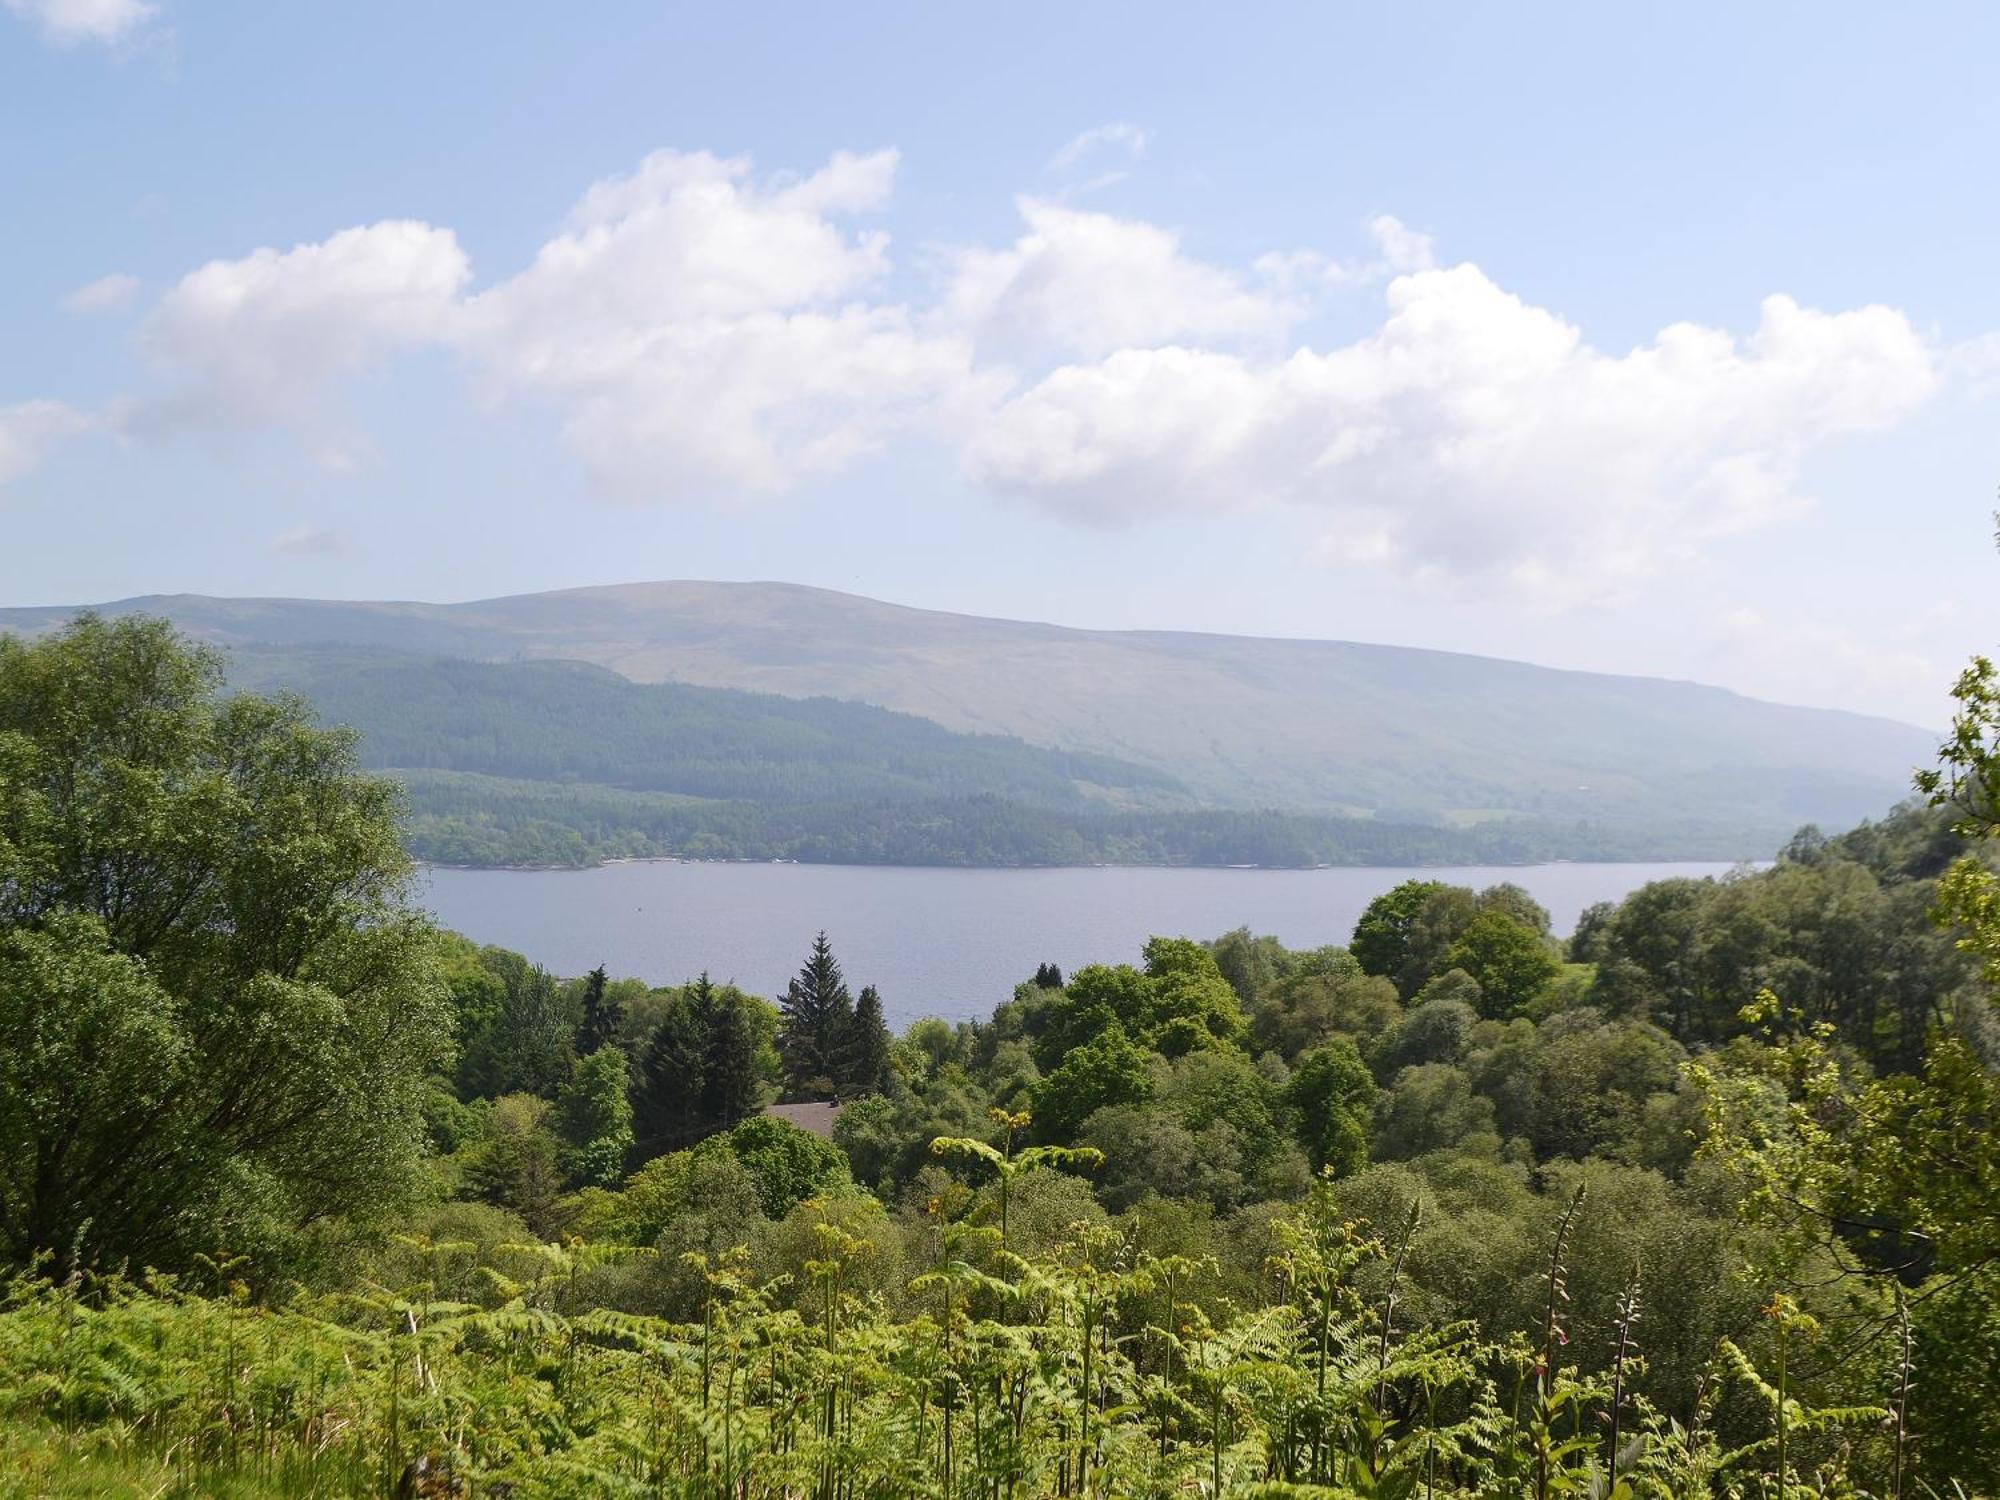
(729, 1079)
(817, 1019)
(600, 1014)
(666, 1104)
(867, 1059)
(1048, 977)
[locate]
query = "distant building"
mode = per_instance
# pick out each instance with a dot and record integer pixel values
(815, 1118)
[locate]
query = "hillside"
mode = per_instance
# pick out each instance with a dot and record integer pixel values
(569, 721)
(1380, 732)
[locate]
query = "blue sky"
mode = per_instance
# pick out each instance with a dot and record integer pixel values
(1306, 320)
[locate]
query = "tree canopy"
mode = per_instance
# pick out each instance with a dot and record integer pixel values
(217, 1008)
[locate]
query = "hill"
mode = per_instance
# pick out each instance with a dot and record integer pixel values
(569, 721)
(1333, 728)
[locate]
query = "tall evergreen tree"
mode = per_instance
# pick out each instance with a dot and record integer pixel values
(600, 1014)
(729, 1079)
(667, 1103)
(816, 1024)
(867, 1059)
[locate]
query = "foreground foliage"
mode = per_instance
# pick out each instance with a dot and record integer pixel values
(1092, 1369)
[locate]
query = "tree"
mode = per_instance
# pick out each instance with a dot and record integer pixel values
(528, 1047)
(867, 1060)
(729, 1085)
(667, 1102)
(1048, 977)
(789, 1164)
(517, 1165)
(601, 1014)
(594, 1119)
(1333, 1096)
(816, 1026)
(1108, 1069)
(1510, 963)
(218, 1009)
(1382, 935)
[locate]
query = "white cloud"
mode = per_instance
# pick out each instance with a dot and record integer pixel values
(1088, 283)
(695, 327)
(1399, 250)
(258, 340)
(1117, 141)
(69, 21)
(1473, 437)
(700, 328)
(310, 541)
(31, 430)
(107, 294)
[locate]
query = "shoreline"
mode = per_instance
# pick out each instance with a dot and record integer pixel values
(837, 864)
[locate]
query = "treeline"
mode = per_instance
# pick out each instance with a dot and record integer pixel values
(298, 1196)
(464, 820)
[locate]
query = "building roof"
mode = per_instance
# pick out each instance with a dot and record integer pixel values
(817, 1118)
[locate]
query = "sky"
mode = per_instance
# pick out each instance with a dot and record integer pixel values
(1662, 342)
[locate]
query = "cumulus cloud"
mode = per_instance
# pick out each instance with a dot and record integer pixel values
(1473, 436)
(1088, 283)
(107, 294)
(1399, 250)
(701, 329)
(258, 340)
(66, 22)
(695, 327)
(31, 430)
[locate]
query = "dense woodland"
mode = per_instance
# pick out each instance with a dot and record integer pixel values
(299, 1196)
(562, 763)
(461, 819)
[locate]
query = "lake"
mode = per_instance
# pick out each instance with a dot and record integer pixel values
(943, 942)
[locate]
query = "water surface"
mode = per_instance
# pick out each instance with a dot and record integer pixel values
(952, 943)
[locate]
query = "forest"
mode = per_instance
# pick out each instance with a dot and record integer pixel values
(560, 763)
(301, 1196)
(457, 818)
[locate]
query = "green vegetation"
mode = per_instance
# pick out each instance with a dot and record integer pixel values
(462, 819)
(566, 721)
(1697, 1203)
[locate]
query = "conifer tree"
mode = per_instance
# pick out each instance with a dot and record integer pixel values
(729, 1079)
(667, 1102)
(867, 1059)
(817, 1019)
(600, 1014)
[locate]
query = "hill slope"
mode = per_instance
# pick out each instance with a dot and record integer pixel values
(568, 721)
(1324, 726)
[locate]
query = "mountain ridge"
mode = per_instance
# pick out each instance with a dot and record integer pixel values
(162, 604)
(1398, 733)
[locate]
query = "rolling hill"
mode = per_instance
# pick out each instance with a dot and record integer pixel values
(1120, 720)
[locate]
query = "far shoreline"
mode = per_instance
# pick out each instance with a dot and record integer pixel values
(1734, 862)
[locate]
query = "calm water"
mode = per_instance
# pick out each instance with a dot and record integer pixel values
(952, 943)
